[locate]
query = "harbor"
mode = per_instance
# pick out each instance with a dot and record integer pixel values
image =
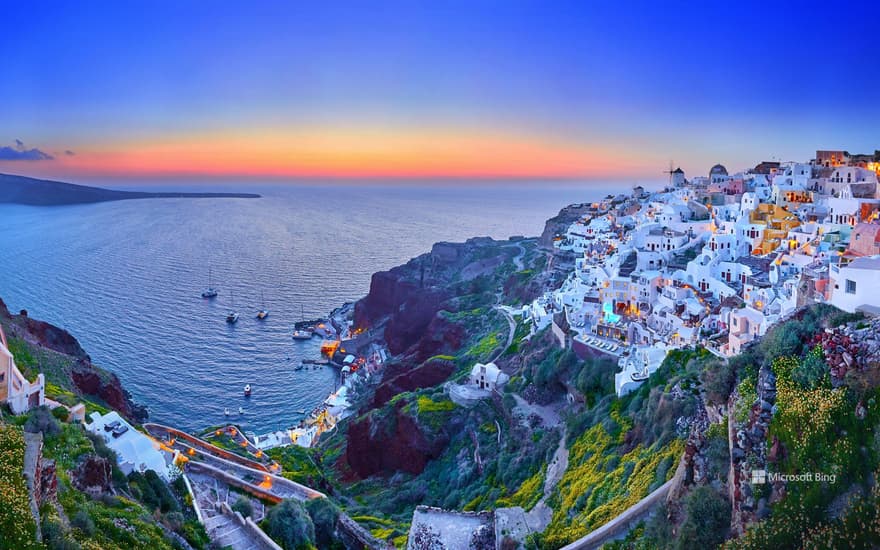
(354, 360)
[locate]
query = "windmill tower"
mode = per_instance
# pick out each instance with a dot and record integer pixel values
(670, 172)
(676, 176)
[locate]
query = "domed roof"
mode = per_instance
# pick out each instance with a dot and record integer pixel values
(718, 169)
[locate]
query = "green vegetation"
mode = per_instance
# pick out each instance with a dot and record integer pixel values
(528, 494)
(601, 482)
(818, 427)
(324, 515)
(137, 517)
(428, 405)
(17, 526)
(707, 519)
(299, 464)
(290, 526)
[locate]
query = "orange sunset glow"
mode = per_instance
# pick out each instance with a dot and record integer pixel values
(346, 153)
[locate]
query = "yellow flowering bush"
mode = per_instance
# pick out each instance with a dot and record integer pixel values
(599, 483)
(819, 430)
(17, 527)
(528, 494)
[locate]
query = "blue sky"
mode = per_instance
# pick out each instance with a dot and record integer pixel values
(624, 86)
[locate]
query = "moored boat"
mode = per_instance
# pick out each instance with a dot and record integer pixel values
(210, 291)
(232, 316)
(247, 390)
(263, 313)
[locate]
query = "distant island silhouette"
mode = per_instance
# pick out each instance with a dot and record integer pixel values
(24, 190)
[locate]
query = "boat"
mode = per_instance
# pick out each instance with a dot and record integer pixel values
(302, 333)
(247, 390)
(263, 313)
(226, 411)
(232, 316)
(241, 410)
(298, 367)
(209, 292)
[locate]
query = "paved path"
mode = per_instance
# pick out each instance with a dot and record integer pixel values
(539, 517)
(511, 324)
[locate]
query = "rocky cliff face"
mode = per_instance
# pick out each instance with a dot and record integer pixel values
(406, 299)
(399, 379)
(560, 222)
(83, 376)
(388, 441)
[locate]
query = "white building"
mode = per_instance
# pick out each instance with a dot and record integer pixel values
(637, 367)
(15, 389)
(135, 451)
(856, 284)
(487, 377)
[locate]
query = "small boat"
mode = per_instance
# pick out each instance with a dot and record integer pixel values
(302, 333)
(232, 316)
(263, 313)
(298, 367)
(241, 410)
(209, 292)
(301, 411)
(247, 390)
(226, 411)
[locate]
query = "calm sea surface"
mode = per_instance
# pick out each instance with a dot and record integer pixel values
(125, 277)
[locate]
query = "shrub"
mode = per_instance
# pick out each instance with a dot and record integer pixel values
(324, 516)
(290, 526)
(812, 371)
(243, 506)
(61, 413)
(708, 519)
(41, 420)
(83, 521)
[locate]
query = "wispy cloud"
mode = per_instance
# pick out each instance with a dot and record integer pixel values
(69, 153)
(20, 152)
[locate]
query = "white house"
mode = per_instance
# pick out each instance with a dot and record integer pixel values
(134, 451)
(637, 367)
(15, 389)
(488, 376)
(855, 284)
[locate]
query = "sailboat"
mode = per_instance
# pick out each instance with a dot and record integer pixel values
(263, 313)
(209, 292)
(232, 316)
(301, 333)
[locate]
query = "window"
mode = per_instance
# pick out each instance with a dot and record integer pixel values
(850, 287)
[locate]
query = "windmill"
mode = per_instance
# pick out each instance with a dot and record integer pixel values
(670, 172)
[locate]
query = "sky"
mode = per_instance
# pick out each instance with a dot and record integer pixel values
(586, 90)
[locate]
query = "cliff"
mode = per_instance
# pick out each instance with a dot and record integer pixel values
(560, 222)
(64, 362)
(24, 190)
(405, 301)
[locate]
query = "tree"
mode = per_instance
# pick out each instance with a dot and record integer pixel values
(811, 372)
(290, 526)
(708, 519)
(243, 506)
(41, 420)
(324, 516)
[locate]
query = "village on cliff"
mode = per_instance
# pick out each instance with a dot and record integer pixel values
(715, 260)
